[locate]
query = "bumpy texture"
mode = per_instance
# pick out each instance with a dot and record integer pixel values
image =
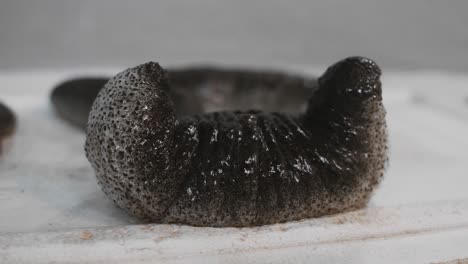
(185, 164)
(7, 124)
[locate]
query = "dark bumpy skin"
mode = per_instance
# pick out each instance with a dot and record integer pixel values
(239, 168)
(7, 124)
(73, 99)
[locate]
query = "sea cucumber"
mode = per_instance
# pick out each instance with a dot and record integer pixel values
(171, 148)
(7, 124)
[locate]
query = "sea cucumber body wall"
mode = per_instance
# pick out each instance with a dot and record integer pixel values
(239, 168)
(129, 141)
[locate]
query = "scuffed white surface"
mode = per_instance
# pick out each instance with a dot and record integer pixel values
(46, 184)
(412, 234)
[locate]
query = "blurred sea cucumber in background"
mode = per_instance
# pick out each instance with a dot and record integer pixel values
(7, 124)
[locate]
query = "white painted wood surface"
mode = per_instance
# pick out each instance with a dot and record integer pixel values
(52, 211)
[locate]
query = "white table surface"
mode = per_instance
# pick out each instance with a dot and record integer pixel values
(51, 208)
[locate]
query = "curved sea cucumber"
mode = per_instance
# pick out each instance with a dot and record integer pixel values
(179, 158)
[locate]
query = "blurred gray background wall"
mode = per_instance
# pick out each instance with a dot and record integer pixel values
(428, 35)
